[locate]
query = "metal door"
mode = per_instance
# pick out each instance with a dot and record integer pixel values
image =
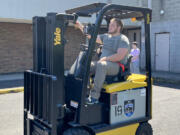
(162, 52)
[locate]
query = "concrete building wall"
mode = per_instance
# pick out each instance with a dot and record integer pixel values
(173, 28)
(145, 3)
(171, 10)
(169, 22)
(139, 3)
(128, 2)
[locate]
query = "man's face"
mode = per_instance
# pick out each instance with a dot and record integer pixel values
(113, 28)
(133, 46)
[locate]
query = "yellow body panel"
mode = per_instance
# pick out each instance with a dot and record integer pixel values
(133, 81)
(127, 130)
(136, 77)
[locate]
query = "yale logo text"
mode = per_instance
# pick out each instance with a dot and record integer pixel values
(57, 36)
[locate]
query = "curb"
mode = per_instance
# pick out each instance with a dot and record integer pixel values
(11, 90)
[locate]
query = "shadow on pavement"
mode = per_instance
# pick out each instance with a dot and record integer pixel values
(11, 84)
(175, 86)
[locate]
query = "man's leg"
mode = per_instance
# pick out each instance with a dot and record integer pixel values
(103, 68)
(136, 67)
(132, 67)
(92, 73)
(93, 67)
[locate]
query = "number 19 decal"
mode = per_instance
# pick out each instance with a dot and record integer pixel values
(118, 110)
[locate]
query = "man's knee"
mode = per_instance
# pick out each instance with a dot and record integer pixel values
(102, 64)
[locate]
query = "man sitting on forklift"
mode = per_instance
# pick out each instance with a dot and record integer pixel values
(115, 52)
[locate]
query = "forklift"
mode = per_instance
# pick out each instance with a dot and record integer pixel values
(55, 102)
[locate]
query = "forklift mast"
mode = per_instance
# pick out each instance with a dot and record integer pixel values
(44, 85)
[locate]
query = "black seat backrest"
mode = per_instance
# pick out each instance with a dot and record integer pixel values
(78, 68)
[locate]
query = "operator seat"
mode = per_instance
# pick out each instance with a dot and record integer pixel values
(122, 75)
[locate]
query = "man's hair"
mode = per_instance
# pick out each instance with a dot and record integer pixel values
(118, 22)
(135, 43)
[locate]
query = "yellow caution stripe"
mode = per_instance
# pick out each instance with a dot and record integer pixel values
(11, 90)
(127, 130)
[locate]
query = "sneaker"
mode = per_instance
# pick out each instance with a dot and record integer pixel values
(91, 100)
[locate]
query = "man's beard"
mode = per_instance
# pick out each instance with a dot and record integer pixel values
(113, 32)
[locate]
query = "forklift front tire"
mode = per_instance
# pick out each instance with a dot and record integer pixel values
(144, 129)
(76, 131)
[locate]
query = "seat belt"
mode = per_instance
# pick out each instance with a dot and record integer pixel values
(122, 66)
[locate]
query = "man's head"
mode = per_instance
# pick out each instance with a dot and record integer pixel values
(115, 26)
(134, 45)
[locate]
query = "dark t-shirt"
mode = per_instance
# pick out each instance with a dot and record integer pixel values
(112, 43)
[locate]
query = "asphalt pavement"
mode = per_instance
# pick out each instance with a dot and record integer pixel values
(11, 83)
(166, 108)
(165, 120)
(11, 114)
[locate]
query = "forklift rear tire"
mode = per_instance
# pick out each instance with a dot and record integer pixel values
(76, 131)
(144, 129)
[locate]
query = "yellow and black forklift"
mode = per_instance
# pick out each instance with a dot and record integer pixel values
(55, 102)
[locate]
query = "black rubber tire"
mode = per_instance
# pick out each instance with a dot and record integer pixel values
(76, 131)
(144, 129)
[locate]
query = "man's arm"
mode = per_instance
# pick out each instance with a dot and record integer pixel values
(121, 53)
(135, 57)
(81, 27)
